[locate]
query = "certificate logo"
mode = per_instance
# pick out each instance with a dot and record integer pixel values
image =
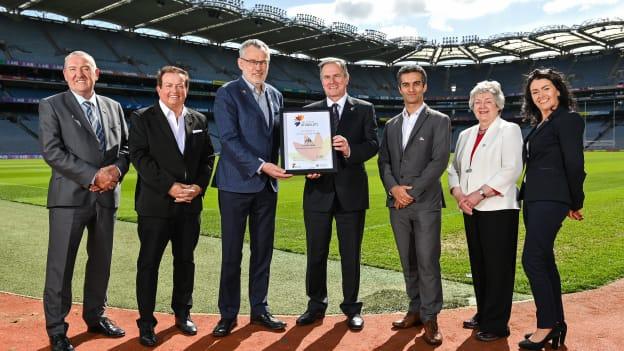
(298, 120)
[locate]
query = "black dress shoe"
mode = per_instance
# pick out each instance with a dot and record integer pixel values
(555, 336)
(487, 336)
(309, 317)
(107, 327)
(186, 325)
(355, 322)
(147, 337)
(224, 327)
(60, 342)
(267, 320)
(471, 323)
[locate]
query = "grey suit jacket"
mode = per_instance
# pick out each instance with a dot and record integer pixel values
(70, 147)
(422, 162)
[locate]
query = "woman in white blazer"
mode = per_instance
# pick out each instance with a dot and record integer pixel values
(482, 178)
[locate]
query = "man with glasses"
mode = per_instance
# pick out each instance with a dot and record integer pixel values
(247, 114)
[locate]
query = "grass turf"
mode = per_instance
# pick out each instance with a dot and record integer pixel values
(23, 257)
(589, 253)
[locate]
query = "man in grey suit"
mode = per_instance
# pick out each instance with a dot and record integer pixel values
(413, 155)
(84, 139)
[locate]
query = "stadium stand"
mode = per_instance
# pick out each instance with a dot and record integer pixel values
(32, 50)
(15, 140)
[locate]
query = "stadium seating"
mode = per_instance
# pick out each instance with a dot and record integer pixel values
(128, 55)
(14, 140)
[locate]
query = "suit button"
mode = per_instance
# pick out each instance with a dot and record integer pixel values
(402, 177)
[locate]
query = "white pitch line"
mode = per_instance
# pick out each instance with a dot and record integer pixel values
(26, 185)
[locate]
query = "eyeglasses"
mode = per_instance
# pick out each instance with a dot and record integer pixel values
(256, 63)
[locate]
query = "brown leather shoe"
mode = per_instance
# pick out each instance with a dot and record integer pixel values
(409, 320)
(432, 335)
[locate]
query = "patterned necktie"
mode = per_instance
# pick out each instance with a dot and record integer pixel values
(335, 116)
(95, 124)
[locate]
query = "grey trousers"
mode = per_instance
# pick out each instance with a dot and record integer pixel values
(67, 225)
(417, 235)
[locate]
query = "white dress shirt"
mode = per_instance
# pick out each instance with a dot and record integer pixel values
(341, 103)
(409, 121)
(176, 124)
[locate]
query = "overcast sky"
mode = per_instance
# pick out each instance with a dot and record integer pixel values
(435, 19)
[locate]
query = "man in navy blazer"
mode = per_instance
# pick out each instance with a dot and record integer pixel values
(247, 114)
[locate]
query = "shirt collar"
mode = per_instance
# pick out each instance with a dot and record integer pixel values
(167, 111)
(92, 99)
(415, 114)
(253, 87)
(341, 102)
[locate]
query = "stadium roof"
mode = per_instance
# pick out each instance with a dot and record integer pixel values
(222, 21)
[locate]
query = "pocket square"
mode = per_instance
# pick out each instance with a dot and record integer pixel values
(421, 139)
(195, 131)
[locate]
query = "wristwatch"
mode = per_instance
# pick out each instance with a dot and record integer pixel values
(482, 193)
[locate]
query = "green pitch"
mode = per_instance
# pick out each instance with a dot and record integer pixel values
(589, 253)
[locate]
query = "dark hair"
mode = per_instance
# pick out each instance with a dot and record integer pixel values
(172, 69)
(411, 69)
(566, 100)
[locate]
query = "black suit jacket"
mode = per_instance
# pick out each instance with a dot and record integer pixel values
(359, 126)
(155, 155)
(554, 159)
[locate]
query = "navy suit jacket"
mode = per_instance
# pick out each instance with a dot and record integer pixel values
(246, 140)
(554, 160)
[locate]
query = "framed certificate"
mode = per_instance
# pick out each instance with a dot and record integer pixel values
(307, 142)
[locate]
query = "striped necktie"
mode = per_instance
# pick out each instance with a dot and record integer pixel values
(95, 124)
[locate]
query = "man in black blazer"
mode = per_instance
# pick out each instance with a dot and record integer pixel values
(342, 196)
(413, 155)
(171, 150)
(84, 139)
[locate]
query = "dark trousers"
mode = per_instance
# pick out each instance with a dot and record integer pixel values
(492, 238)
(543, 220)
(417, 235)
(235, 209)
(350, 231)
(154, 233)
(67, 225)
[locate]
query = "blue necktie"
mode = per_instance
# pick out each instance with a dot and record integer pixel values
(95, 124)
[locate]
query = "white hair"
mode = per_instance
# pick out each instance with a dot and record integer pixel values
(488, 86)
(256, 43)
(83, 54)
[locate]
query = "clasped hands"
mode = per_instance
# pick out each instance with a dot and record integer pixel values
(401, 198)
(466, 202)
(184, 192)
(106, 179)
